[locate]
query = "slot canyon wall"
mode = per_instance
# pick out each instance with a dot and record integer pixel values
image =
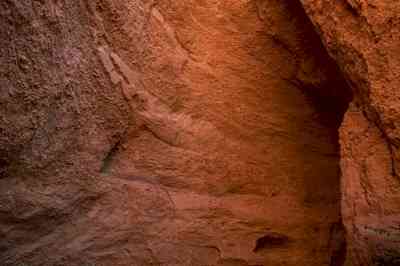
(199, 132)
(363, 37)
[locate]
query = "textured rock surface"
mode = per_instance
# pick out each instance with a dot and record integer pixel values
(363, 36)
(197, 132)
(59, 117)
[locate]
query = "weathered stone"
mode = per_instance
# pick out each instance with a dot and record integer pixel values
(198, 132)
(363, 36)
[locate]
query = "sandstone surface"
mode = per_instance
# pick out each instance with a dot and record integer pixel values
(198, 132)
(363, 37)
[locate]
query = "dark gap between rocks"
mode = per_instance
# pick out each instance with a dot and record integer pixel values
(330, 99)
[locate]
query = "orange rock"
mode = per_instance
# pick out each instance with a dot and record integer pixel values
(362, 37)
(198, 133)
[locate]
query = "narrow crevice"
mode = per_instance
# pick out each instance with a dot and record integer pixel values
(337, 244)
(331, 96)
(108, 159)
(330, 99)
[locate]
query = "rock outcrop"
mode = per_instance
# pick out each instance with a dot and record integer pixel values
(363, 37)
(198, 133)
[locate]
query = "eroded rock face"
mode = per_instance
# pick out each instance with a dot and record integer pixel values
(185, 133)
(59, 117)
(363, 37)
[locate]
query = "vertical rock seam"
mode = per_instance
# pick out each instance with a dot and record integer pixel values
(362, 36)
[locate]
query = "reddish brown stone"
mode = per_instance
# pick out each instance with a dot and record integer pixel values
(197, 133)
(363, 37)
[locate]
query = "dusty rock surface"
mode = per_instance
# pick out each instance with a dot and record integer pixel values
(196, 133)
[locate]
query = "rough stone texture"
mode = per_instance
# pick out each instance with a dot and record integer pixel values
(59, 117)
(197, 132)
(363, 36)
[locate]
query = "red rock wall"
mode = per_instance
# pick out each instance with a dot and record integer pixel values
(193, 133)
(363, 36)
(59, 117)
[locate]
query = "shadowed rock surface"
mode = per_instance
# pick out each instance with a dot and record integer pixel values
(197, 133)
(363, 37)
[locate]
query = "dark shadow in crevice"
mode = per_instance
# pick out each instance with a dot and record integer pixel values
(270, 241)
(330, 98)
(109, 157)
(337, 244)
